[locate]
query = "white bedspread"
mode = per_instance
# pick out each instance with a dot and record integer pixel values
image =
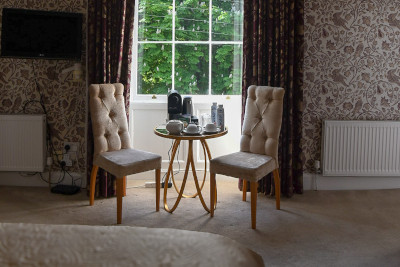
(79, 245)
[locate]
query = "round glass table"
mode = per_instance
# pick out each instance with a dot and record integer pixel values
(202, 137)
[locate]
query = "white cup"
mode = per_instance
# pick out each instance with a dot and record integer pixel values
(210, 127)
(193, 128)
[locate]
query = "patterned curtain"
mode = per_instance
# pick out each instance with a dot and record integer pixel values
(110, 35)
(273, 45)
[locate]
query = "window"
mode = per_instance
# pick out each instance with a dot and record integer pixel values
(193, 46)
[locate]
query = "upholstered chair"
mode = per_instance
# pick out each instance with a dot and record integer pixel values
(258, 153)
(112, 145)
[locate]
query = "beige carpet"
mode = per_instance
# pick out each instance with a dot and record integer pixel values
(318, 228)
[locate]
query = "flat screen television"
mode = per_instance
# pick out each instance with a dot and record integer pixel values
(41, 34)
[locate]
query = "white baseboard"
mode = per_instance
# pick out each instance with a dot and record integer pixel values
(318, 182)
(22, 179)
(310, 181)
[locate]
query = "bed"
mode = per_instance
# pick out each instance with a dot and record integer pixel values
(24, 244)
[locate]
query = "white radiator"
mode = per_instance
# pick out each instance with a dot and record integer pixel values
(361, 148)
(22, 142)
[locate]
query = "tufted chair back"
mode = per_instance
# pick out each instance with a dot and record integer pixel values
(109, 123)
(262, 121)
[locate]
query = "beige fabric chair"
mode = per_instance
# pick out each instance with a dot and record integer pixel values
(258, 154)
(112, 146)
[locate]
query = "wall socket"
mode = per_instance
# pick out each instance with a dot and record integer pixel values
(73, 146)
(71, 155)
(67, 160)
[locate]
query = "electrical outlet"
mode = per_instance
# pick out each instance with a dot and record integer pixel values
(72, 155)
(67, 160)
(73, 146)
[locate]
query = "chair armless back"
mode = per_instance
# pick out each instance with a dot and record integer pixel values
(262, 121)
(109, 123)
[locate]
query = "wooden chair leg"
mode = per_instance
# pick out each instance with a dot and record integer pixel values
(277, 182)
(120, 192)
(212, 193)
(93, 184)
(244, 189)
(124, 185)
(253, 191)
(158, 188)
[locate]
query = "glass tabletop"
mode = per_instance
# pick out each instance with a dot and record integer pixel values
(163, 132)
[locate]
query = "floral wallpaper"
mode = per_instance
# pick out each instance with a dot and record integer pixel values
(351, 71)
(64, 99)
(351, 67)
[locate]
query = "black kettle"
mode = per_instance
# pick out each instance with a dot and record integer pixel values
(187, 106)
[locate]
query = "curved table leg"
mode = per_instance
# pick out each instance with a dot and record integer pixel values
(180, 192)
(173, 180)
(189, 162)
(195, 176)
(170, 170)
(204, 177)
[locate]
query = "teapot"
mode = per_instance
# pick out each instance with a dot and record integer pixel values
(193, 129)
(174, 127)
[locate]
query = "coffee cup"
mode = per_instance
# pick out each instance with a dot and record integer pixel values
(193, 128)
(210, 127)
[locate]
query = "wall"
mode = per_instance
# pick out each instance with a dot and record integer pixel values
(64, 99)
(352, 65)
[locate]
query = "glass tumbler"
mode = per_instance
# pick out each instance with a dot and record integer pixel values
(205, 119)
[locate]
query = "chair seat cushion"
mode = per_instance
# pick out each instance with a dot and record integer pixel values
(249, 166)
(127, 161)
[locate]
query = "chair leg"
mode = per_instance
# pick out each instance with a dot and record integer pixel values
(93, 184)
(124, 185)
(244, 189)
(212, 193)
(120, 192)
(158, 187)
(253, 191)
(277, 182)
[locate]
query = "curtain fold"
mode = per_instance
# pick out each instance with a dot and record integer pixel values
(110, 37)
(273, 54)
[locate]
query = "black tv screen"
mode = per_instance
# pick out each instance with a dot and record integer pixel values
(41, 34)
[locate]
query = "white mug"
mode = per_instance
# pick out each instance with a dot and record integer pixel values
(210, 127)
(193, 128)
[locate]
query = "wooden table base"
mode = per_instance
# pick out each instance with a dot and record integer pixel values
(189, 162)
(162, 132)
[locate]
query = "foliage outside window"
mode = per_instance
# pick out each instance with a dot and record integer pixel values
(182, 46)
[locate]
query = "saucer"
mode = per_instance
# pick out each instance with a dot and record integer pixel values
(187, 133)
(212, 132)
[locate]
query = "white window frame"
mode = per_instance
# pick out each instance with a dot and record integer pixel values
(145, 98)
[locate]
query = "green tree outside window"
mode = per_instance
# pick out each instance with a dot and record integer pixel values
(190, 42)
